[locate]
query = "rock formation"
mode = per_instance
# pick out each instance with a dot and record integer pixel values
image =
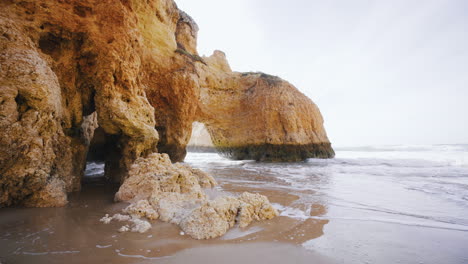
(156, 175)
(124, 80)
(63, 61)
(259, 116)
(174, 193)
(214, 218)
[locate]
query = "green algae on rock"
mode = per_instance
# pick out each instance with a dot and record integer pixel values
(278, 153)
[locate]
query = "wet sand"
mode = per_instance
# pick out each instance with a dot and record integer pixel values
(338, 211)
(74, 235)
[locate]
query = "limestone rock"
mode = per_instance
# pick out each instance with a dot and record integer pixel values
(60, 63)
(32, 128)
(53, 194)
(136, 223)
(215, 218)
(256, 116)
(212, 219)
(140, 209)
(199, 218)
(155, 175)
(259, 116)
(174, 193)
(255, 207)
(124, 78)
(160, 190)
(63, 61)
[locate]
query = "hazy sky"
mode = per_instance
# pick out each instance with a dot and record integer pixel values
(381, 72)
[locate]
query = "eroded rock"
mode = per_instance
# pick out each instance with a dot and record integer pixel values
(131, 70)
(32, 128)
(174, 193)
(60, 62)
(202, 218)
(259, 116)
(214, 218)
(152, 176)
(140, 209)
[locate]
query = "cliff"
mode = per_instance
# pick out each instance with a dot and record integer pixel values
(259, 116)
(120, 80)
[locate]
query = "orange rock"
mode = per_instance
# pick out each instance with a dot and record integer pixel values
(131, 69)
(259, 116)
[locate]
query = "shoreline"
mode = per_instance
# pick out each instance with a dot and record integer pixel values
(353, 209)
(42, 235)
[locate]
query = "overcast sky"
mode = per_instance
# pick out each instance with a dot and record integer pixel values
(381, 72)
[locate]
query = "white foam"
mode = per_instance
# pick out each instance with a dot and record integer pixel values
(396, 183)
(106, 246)
(141, 256)
(94, 169)
(292, 212)
(236, 233)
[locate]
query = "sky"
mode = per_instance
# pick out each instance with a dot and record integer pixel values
(382, 72)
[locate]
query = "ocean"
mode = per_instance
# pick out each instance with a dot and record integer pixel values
(376, 204)
(383, 204)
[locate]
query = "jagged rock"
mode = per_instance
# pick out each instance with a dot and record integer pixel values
(215, 218)
(255, 207)
(36, 151)
(173, 207)
(124, 78)
(53, 194)
(174, 193)
(140, 209)
(155, 175)
(62, 61)
(200, 218)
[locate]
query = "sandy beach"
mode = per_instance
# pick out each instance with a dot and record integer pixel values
(75, 235)
(244, 132)
(330, 212)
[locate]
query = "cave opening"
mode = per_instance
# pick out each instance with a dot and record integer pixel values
(200, 139)
(102, 162)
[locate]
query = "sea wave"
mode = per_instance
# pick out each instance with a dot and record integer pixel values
(408, 184)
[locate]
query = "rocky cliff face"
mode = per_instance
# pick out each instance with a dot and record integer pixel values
(130, 69)
(259, 116)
